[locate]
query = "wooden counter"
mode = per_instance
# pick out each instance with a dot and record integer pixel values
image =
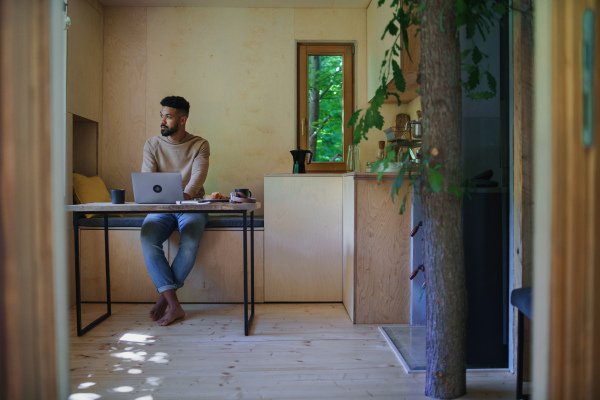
(376, 250)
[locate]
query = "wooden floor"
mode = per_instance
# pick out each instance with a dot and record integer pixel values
(296, 351)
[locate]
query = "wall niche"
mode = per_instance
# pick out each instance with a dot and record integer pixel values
(85, 146)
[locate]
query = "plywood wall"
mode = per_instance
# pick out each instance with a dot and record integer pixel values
(124, 100)
(236, 67)
(84, 59)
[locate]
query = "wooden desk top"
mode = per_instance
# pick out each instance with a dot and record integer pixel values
(168, 208)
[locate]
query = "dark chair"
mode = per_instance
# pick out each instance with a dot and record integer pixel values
(521, 299)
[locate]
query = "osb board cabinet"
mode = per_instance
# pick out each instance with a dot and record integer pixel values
(217, 275)
(376, 250)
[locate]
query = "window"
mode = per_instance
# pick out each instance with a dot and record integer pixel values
(325, 103)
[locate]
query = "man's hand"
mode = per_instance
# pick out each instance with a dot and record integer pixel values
(186, 196)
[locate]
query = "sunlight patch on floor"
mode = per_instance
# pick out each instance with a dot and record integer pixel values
(84, 396)
(123, 389)
(86, 385)
(136, 337)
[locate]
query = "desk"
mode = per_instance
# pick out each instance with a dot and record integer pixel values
(132, 208)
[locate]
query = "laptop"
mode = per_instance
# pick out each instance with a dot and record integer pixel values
(157, 187)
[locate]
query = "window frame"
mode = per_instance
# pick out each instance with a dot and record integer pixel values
(304, 50)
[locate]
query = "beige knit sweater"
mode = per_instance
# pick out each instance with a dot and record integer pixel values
(189, 157)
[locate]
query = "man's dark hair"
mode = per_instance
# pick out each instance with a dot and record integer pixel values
(179, 103)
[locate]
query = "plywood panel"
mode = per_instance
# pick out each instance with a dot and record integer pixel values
(303, 238)
(349, 240)
(85, 148)
(29, 346)
(84, 60)
(382, 287)
(129, 278)
(574, 352)
(124, 110)
(216, 277)
(522, 252)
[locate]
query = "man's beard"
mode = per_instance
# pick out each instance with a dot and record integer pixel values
(169, 132)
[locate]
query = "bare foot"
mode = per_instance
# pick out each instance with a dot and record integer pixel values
(158, 311)
(172, 315)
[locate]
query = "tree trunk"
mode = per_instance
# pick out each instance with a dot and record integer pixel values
(442, 212)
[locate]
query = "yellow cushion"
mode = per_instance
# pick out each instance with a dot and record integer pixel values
(89, 190)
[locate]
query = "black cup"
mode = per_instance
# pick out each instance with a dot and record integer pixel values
(117, 196)
(247, 193)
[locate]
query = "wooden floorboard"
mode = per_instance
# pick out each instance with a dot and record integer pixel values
(295, 351)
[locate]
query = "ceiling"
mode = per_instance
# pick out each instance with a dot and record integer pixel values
(239, 3)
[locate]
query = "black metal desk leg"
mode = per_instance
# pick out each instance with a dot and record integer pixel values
(77, 272)
(107, 265)
(252, 264)
(520, 346)
(248, 319)
(82, 330)
(245, 255)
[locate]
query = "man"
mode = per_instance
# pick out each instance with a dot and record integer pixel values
(174, 150)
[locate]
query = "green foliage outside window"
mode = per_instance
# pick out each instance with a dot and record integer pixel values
(326, 101)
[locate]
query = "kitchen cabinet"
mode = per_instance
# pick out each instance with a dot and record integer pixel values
(303, 238)
(377, 20)
(376, 250)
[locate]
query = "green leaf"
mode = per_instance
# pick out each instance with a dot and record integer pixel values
(481, 95)
(404, 156)
(379, 97)
(477, 55)
(403, 206)
(435, 180)
(399, 102)
(398, 77)
(397, 184)
(465, 54)
(470, 30)
(373, 118)
(500, 8)
(474, 78)
(455, 191)
(359, 131)
(354, 118)
(391, 28)
(441, 21)
(380, 3)
(491, 82)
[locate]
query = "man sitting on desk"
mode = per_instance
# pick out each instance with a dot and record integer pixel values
(174, 150)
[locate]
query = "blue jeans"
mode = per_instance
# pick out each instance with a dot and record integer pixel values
(155, 230)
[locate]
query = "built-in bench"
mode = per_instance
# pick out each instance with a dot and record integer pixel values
(217, 276)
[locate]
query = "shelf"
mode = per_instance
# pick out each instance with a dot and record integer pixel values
(410, 92)
(405, 143)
